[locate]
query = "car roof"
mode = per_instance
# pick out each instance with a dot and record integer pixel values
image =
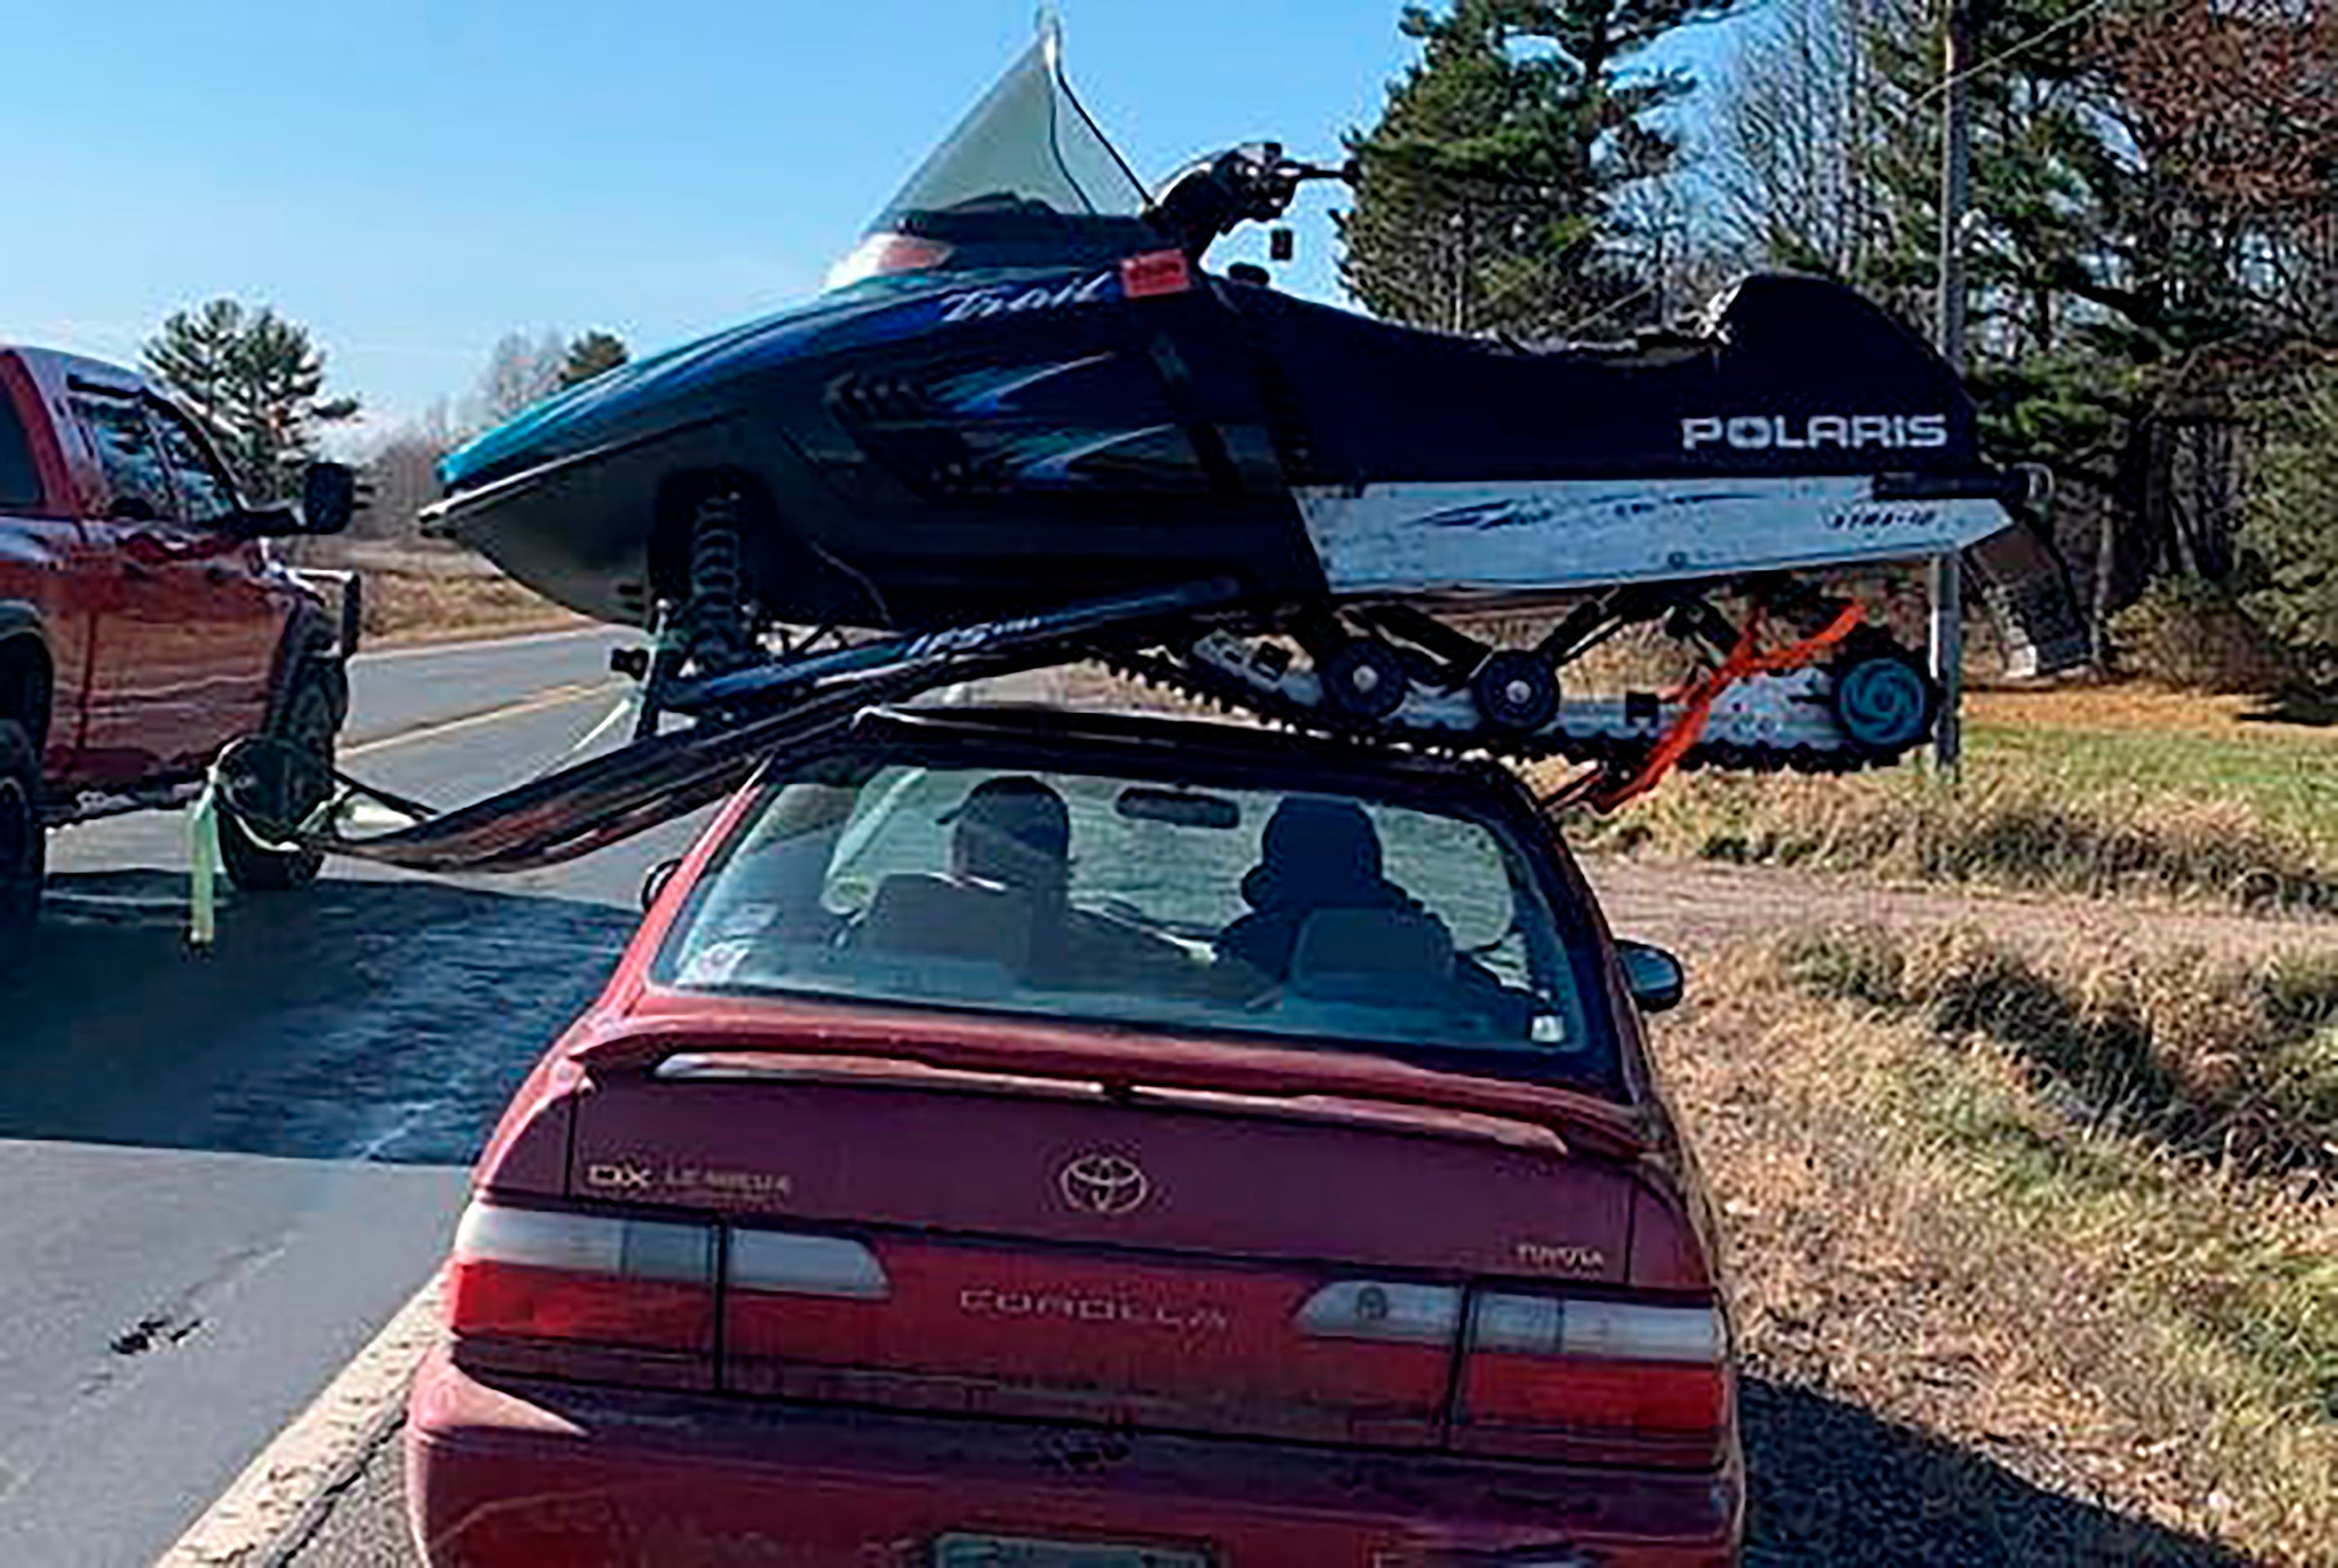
(1102, 735)
(54, 367)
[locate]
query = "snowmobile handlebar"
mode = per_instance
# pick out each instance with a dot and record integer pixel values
(1251, 183)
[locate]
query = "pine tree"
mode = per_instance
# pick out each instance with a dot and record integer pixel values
(194, 355)
(2289, 534)
(1492, 192)
(592, 354)
(258, 381)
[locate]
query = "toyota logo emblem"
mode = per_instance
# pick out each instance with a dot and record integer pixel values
(1103, 1184)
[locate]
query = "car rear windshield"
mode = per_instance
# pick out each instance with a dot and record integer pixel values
(1331, 918)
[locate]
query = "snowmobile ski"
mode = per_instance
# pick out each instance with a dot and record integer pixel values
(1839, 697)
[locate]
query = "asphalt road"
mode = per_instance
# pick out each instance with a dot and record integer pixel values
(222, 1173)
(394, 689)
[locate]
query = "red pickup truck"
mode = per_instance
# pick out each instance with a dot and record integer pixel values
(142, 622)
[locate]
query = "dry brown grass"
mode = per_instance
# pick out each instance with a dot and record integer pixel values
(1927, 1222)
(2132, 707)
(2009, 832)
(407, 605)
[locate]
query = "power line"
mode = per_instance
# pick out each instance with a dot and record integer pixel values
(2009, 52)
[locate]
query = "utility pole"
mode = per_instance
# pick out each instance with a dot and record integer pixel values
(1948, 641)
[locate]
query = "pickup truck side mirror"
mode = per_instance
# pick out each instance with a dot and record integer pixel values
(1655, 978)
(328, 500)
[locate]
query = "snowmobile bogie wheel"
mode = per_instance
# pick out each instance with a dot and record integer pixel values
(1515, 691)
(1883, 702)
(1364, 678)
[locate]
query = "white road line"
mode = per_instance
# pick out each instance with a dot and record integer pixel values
(284, 1493)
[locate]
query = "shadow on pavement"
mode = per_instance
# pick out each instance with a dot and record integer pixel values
(1834, 1483)
(383, 1020)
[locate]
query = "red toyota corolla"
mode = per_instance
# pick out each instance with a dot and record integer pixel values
(1028, 1140)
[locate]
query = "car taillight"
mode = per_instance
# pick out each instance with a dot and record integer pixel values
(588, 1279)
(1388, 1312)
(885, 253)
(784, 1263)
(802, 1299)
(1546, 1374)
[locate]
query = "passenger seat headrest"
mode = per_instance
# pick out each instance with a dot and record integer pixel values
(1384, 942)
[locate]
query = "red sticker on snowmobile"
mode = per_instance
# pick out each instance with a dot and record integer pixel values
(1154, 272)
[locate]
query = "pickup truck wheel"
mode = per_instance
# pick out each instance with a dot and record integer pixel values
(22, 841)
(306, 721)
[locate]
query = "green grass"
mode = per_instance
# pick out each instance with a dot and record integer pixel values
(2107, 812)
(2234, 1262)
(2264, 1294)
(1922, 1151)
(2290, 783)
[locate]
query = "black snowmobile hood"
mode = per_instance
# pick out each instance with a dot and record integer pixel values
(698, 382)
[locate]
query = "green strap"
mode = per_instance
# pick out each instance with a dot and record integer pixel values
(627, 706)
(341, 811)
(203, 863)
(204, 852)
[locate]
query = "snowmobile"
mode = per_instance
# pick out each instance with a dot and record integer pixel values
(1027, 426)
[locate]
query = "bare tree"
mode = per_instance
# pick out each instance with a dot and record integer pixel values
(520, 370)
(2234, 107)
(1792, 135)
(405, 474)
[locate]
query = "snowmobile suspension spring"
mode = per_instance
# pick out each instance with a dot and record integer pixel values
(716, 579)
(721, 638)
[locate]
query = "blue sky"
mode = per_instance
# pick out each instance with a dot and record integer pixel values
(414, 179)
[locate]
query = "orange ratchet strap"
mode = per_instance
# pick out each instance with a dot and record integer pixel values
(1698, 697)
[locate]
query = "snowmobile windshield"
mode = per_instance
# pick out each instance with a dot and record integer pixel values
(1027, 145)
(1026, 165)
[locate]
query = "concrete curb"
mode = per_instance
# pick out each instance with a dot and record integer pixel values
(284, 1494)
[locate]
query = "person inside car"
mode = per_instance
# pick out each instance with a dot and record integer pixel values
(1015, 832)
(1316, 855)
(1320, 899)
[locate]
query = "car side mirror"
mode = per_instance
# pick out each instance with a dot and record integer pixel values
(1655, 978)
(329, 501)
(328, 498)
(653, 885)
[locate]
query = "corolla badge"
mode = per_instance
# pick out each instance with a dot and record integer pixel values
(1104, 1183)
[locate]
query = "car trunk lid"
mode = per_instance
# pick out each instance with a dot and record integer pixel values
(1175, 1234)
